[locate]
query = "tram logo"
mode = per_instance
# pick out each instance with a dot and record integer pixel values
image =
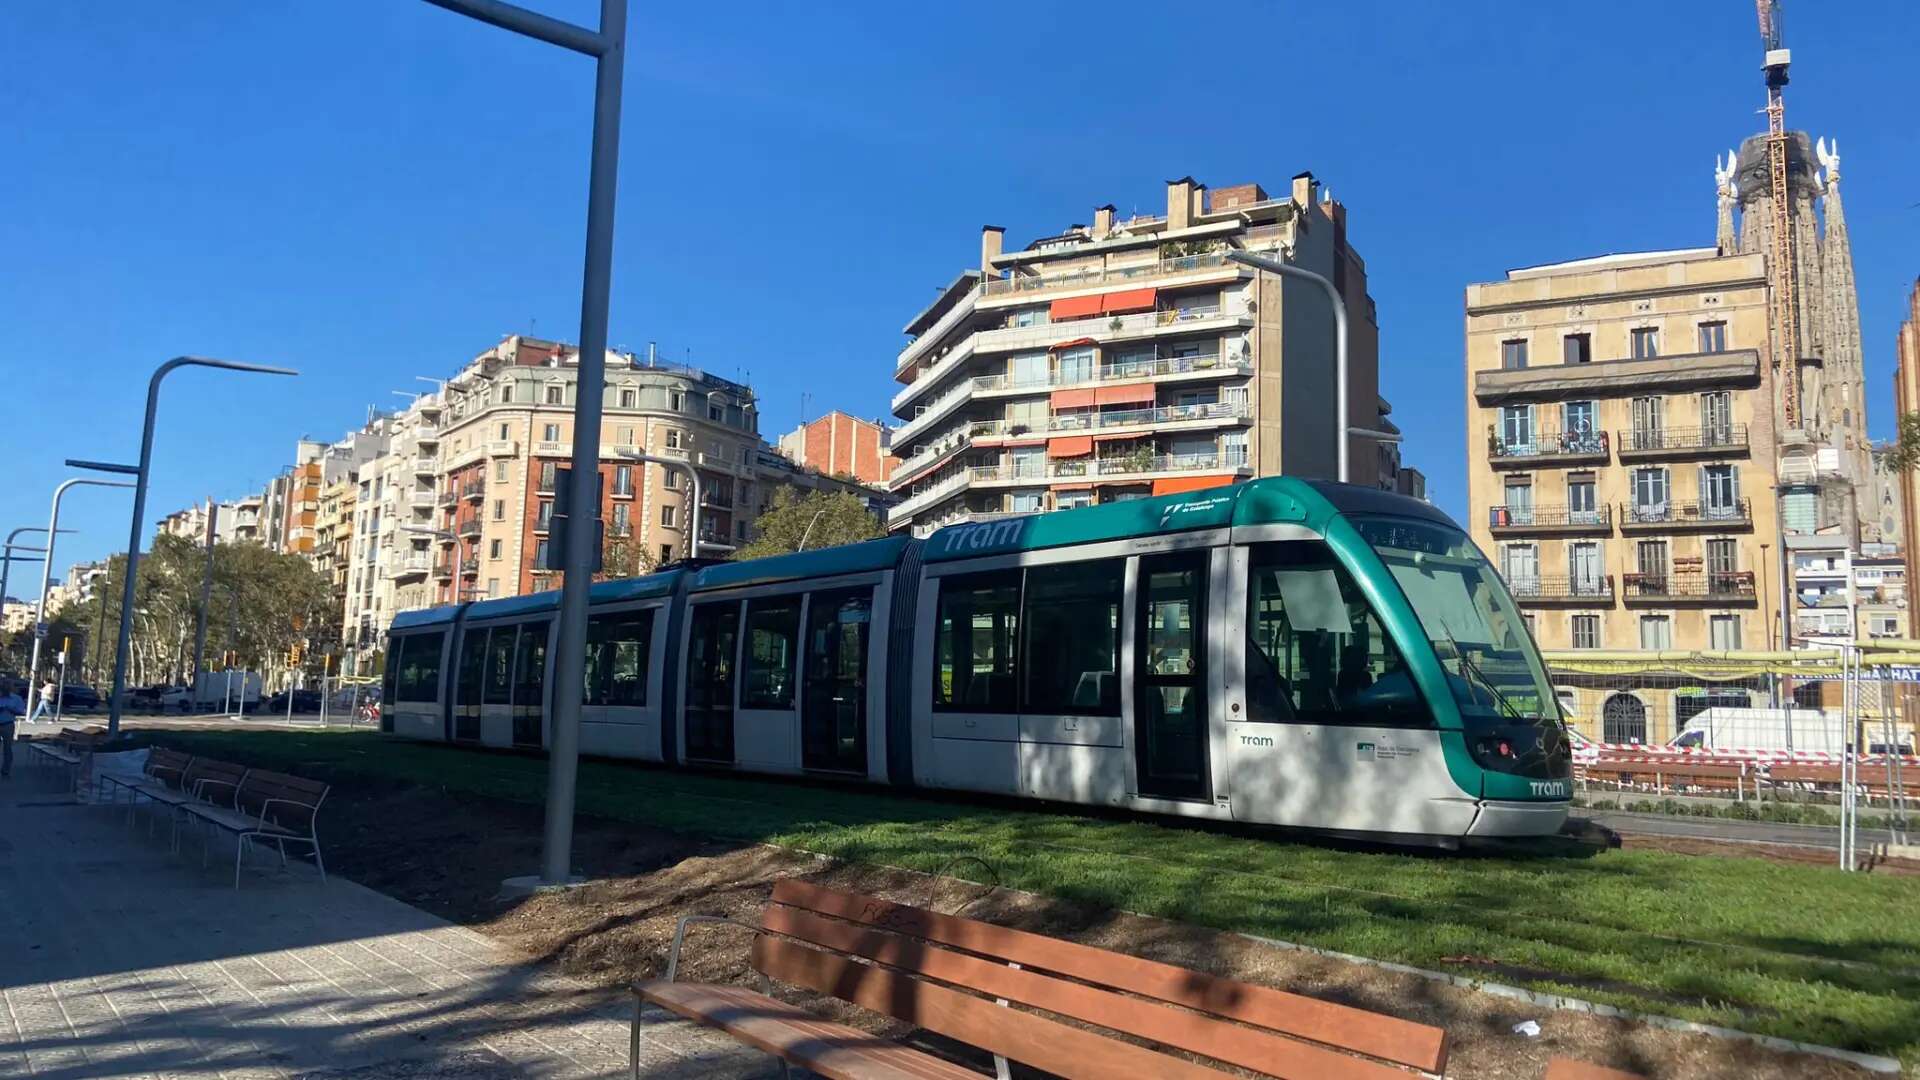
(987, 534)
(1553, 789)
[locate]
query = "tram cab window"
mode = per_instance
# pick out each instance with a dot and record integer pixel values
(619, 648)
(773, 635)
(530, 673)
(1316, 651)
(1072, 617)
(418, 674)
(976, 628)
(499, 684)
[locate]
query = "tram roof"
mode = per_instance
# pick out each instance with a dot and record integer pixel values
(1268, 500)
(869, 555)
(603, 592)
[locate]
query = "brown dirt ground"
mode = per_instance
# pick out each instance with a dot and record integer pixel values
(447, 854)
(1775, 853)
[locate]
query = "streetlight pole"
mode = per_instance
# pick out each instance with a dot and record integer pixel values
(46, 578)
(608, 47)
(808, 531)
(693, 478)
(7, 555)
(206, 593)
(1344, 426)
(141, 473)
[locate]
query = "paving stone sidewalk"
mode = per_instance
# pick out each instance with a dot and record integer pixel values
(119, 958)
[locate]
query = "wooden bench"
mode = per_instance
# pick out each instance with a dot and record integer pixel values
(203, 778)
(161, 776)
(265, 806)
(974, 982)
(69, 749)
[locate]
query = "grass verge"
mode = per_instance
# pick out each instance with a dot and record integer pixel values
(1803, 953)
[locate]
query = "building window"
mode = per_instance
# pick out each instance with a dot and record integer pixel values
(493, 586)
(550, 433)
(1713, 337)
(1513, 354)
(1582, 508)
(547, 475)
(1720, 490)
(1656, 632)
(673, 479)
(500, 472)
(1650, 493)
(499, 509)
(673, 439)
(1646, 342)
(493, 549)
(676, 401)
(623, 480)
(629, 398)
(1519, 495)
(1520, 565)
(543, 515)
(1586, 573)
(666, 554)
(1576, 349)
(666, 516)
(1723, 632)
(505, 433)
(1039, 316)
(716, 413)
(622, 518)
(1716, 417)
(1577, 418)
(539, 554)
(556, 394)
(1516, 428)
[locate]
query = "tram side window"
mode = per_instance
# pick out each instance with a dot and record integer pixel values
(530, 674)
(499, 686)
(1072, 616)
(418, 677)
(1316, 652)
(773, 634)
(619, 648)
(977, 626)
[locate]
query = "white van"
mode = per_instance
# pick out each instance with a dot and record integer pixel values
(1728, 728)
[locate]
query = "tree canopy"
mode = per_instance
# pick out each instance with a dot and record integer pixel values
(1905, 453)
(819, 519)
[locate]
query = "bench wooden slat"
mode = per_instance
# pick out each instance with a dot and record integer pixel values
(1149, 1020)
(1568, 1069)
(1018, 1036)
(1385, 1037)
(833, 1050)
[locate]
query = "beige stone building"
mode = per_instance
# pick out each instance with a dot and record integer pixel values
(1131, 357)
(1906, 399)
(1621, 449)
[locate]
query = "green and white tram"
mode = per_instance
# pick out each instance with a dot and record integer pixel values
(1281, 652)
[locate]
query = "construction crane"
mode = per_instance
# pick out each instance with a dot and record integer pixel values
(1786, 292)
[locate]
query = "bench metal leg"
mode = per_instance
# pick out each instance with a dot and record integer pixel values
(633, 1038)
(240, 843)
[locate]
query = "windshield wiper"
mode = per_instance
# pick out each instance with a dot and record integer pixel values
(1485, 683)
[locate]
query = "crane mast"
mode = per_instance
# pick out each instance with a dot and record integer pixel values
(1786, 291)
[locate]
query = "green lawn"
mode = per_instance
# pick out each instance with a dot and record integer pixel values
(1799, 952)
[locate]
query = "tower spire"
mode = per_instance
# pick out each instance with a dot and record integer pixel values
(1729, 193)
(1845, 375)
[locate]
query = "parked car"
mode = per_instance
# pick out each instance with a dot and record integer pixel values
(176, 699)
(149, 698)
(304, 701)
(77, 698)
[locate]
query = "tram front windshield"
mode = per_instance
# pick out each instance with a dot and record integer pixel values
(1493, 668)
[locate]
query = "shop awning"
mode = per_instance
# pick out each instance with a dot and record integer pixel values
(1070, 446)
(1072, 399)
(1131, 394)
(1075, 307)
(1010, 443)
(1073, 487)
(1123, 437)
(1074, 344)
(1115, 303)
(1173, 485)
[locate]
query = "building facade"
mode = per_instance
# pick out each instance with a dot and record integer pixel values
(1620, 448)
(1131, 358)
(841, 445)
(1906, 401)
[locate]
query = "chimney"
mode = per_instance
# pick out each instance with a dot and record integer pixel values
(991, 237)
(1102, 221)
(1303, 189)
(1180, 203)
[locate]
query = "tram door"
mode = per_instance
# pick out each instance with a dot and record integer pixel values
(529, 682)
(1170, 677)
(710, 675)
(833, 715)
(470, 680)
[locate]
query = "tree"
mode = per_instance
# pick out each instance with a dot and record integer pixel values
(623, 556)
(820, 518)
(1904, 454)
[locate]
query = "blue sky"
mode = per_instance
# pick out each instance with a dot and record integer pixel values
(371, 190)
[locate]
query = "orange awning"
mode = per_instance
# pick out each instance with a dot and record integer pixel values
(1123, 437)
(1074, 344)
(1070, 446)
(1073, 487)
(1072, 399)
(1075, 307)
(1131, 394)
(1129, 300)
(1175, 484)
(1024, 442)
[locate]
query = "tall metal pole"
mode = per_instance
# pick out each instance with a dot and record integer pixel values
(206, 595)
(7, 556)
(142, 473)
(46, 578)
(693, 481)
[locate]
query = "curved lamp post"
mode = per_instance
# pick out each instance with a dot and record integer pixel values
(141, 473)
(53, 531)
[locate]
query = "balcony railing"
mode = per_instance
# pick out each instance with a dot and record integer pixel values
(1511, 519)
(1105, 327)
(473, 490)
(470, 527)
(443, 570)
(1598, 590)
(1693, 440)
(1118, 465)
(411, 565)
(1110, 275)
(1690, 585)
(469, 567)
(1100, 421)
(1544, 445)
(1684, 514)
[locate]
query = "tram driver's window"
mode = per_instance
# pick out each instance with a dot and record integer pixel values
(420, 668)
(1316, 652)
(976, 630)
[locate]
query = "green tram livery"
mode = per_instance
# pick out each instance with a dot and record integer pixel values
(1280, 652)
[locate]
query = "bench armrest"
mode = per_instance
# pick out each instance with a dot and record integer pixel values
(680, 936)
(311, 808)
(200, 786)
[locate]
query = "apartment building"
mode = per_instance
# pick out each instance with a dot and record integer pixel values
(1906, 399)
(1131, 357)
(841, 445)
(1880, 596)
(1621, 448)
(191, 523)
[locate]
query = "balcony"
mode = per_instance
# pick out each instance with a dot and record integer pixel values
(1685, 516)
(1567, 592)
(717, 462)
(1692, 586)
(422, 498)
(449, 498)
(934, 334)
(426, 465)
(544, 523)
(1110, 275)
(1548, 448)
(943, 488)
(1619, 378)
(719, 500)
(443, 571)
(467, 528)
(469, 567)
(1107, 421)
(1549, 521)
(930, 455)
(502, 448)
(1117, 469)
(473, 490)
(1667, 444)
(1102, 328)
(412, 565)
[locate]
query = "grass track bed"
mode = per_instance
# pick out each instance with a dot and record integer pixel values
(1802, 953)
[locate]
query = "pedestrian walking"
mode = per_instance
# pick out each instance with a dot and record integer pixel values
(45, 708)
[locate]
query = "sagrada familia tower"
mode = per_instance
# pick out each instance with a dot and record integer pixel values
(1825, 461)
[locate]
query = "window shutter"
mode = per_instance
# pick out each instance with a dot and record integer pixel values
(1705, 487)
(1733, 482)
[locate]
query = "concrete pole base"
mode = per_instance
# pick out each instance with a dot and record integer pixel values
(519, 888)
